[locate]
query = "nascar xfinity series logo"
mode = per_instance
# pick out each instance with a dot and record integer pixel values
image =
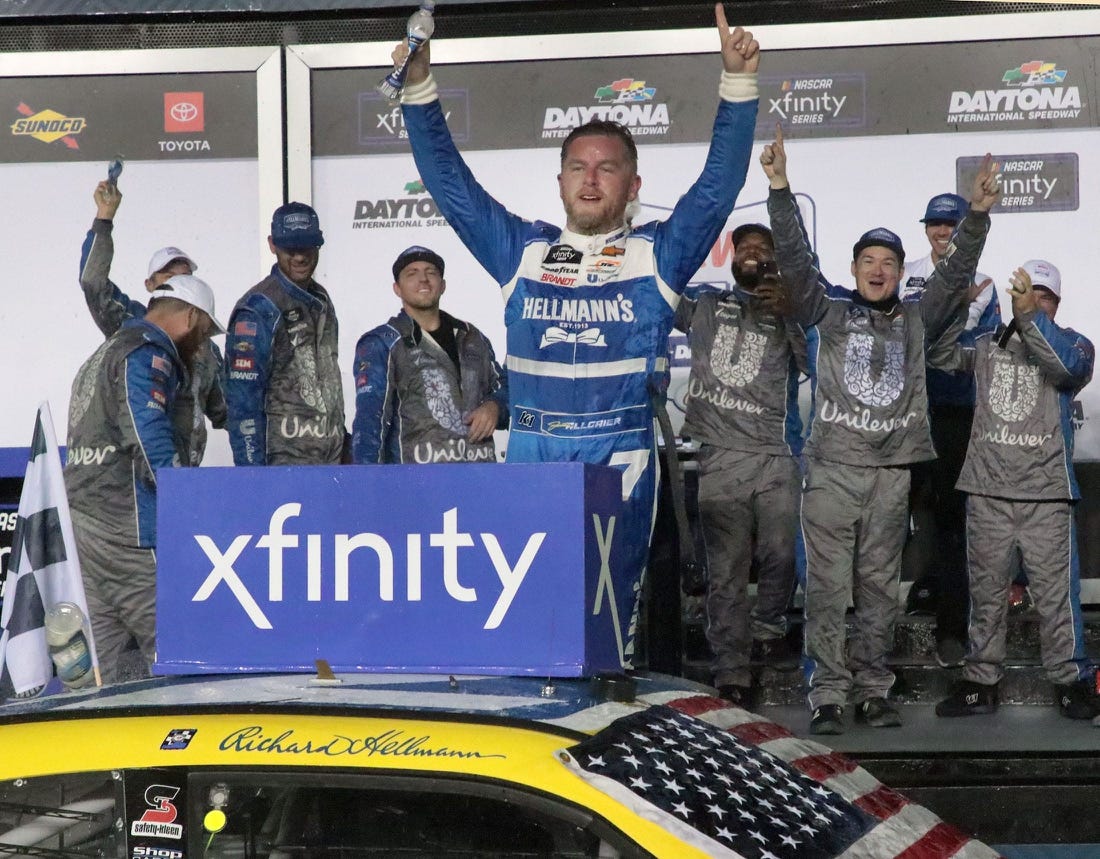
(1030, 182)
(48, 126)
(1030, 91)
(413, 208)
(626, 100)
(823, 100)
(381, 121)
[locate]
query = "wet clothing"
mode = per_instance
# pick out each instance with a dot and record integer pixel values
(120, 433)
(870, 424)
(120, 586)
(743, 388)
(853, 522)
(110, 307)
(282, 381)
(936, 505)
(748, 505)
(411, 398)
(1022, 491)
(742, 405)
(588, 316)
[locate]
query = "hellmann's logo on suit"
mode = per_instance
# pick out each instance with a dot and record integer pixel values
(340, 567)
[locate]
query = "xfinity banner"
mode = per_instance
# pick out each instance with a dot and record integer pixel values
(497, 569)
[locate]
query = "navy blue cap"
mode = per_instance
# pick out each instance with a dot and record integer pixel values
(946, 207)
(416, 254)
(880, 237)
(744, 230)
(295, 225)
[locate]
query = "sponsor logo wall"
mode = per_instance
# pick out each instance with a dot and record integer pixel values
(189, 141)
(940, 107)
(191, 179)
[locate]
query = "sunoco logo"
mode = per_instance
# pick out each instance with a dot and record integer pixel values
(1031, 91)
(414, 209)
(626, 100)
(48, 126)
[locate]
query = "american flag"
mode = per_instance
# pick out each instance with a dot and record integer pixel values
(43, 568)
(734, 785)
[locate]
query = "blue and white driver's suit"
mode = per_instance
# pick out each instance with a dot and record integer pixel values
(588, 317)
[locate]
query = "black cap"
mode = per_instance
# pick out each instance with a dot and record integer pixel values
(743, 230)
(416, 254)
(880, 237)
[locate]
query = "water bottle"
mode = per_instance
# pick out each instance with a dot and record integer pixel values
(68, 645)
(419, 29)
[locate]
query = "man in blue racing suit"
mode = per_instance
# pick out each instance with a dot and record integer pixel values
(588, 308)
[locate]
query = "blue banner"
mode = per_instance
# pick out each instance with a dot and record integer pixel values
(497, 569)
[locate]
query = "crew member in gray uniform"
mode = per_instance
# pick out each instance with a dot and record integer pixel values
(938, 509)
(742, 406)
(286, 400)
(428, 387)
(110, 307)
(870, 424)
(1022, 493)
(120, 433)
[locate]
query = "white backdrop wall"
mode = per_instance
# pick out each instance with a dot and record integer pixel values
(207, 189)
(884, 127)
(876, 161)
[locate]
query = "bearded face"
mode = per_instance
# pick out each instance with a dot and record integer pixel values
(753, 261)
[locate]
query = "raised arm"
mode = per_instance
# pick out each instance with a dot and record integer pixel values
(108, 304)
(1065, 357)
(683, 240)
(949, 286)
(492, 234)
(799, 265)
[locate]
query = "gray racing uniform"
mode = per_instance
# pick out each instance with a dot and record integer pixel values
(120, 433)
(870, 423)
(742, 406)
(1022, 491)
(110, 307)
(411, 399)
(283, 388)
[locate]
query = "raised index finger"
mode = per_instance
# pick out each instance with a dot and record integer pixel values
(720, 20)
(779, 135)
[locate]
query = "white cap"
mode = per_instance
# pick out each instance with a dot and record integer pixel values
(1045, 274)
(187, 287)
(159, 261)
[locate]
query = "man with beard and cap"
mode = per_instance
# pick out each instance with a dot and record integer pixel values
(742, 407)
(110, 307)
(120, 433)
(936, 505)
(870, 425)
(428, 387)
(283, 387)
(1022, 494)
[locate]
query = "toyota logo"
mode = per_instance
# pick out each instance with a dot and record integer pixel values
(184, 111)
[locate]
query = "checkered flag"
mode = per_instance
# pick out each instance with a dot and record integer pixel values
(43, 569)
